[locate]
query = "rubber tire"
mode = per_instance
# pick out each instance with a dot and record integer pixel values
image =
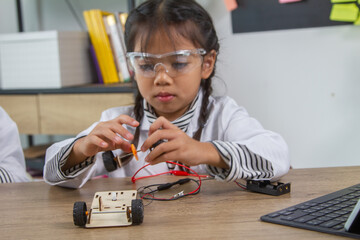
(137, 211)
(79, 214)
(109, 163)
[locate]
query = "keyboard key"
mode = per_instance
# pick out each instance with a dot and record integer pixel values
(324, 218)
(314, 222)
(341, 219)
(326, 211)
(330, 224)
(273, 215)
(310, 210)
(332, 215)
(317, 214)
(341, 212)
(338, 227)
(293, 216)
(335, 208)
(304, 219)
(311, 204)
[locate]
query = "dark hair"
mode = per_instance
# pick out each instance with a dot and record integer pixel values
(189, 20)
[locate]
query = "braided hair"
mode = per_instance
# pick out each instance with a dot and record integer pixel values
(191, 21)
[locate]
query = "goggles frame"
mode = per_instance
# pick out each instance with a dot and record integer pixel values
(132, 55)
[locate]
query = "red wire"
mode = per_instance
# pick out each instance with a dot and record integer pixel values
(241, 186)
(134, 179)
(176, 173)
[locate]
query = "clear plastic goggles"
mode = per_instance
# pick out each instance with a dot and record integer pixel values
(174, 63)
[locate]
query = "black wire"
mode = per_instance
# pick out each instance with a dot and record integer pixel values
(72, 9)
(142, 192)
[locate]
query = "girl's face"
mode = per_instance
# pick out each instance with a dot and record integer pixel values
(171, 96)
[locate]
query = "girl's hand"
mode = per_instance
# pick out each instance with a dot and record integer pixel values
(179, 146)
(107, 136)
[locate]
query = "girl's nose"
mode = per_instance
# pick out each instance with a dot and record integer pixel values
(161, 75)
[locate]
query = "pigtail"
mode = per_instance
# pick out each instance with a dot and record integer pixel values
(204, 112)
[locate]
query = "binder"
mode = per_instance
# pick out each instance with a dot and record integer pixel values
(101, 43)
(118, 48)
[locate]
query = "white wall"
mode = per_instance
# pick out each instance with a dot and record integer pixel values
(302, 83)
(8, 20)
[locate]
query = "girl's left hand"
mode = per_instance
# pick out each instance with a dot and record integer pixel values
(179, 146)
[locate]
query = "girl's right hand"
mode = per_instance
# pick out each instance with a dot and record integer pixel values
(104, 137)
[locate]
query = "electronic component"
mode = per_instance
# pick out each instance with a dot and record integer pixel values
(266, 187)
(112, 162)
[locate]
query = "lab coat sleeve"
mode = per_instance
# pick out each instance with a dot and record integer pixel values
(76, 177)
(250, 151)
(55, 158)
(12, 161)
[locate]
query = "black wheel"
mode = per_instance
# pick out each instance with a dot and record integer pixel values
(108, 159)
(79, 214)
(137, 211)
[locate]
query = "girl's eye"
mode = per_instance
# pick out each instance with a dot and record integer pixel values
(146, 67)
(179, 65)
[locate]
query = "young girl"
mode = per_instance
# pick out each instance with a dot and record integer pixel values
(172, 49)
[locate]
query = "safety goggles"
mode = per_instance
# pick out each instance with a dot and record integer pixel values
(174, 63)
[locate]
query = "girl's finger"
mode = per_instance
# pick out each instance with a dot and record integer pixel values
(119, 130)
(161, 123)
(125, 119)
(168, 156)
(110, 137)
(162, 149)
(125, 146)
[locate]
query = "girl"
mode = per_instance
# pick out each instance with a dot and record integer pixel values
(172, 49)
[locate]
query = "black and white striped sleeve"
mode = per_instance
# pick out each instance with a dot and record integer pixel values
(5, 176)
(243, 163)
(53, 170)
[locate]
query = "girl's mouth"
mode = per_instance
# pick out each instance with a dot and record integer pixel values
(164, 97)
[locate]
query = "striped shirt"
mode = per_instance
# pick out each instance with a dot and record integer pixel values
(5, 176)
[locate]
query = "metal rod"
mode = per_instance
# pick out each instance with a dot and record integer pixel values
(19, 16)
(131, 5)
(101, 212)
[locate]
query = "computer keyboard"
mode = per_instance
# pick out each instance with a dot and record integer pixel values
(326, 214)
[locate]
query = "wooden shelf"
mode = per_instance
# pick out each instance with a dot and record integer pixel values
(65, 111)
(90, 88)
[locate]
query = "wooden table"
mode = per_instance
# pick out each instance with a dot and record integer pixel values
(220, 211)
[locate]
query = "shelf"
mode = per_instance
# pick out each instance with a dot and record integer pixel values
(65, 111)
(91, 88)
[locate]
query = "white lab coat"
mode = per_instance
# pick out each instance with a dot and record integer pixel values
(12, 162)
(250, 151)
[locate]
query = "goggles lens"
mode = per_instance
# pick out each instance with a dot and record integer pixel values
(174, 63)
